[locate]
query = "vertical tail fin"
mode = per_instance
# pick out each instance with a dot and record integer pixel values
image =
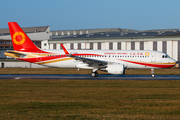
(21, 42)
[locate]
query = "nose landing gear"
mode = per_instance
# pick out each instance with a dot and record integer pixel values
(152, 73)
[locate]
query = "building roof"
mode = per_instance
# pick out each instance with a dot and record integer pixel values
(89, 31)
(26, 30)
(118, 34)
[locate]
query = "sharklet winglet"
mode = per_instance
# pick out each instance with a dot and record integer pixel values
(65, 51)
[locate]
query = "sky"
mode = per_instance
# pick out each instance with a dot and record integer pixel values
(91, 14)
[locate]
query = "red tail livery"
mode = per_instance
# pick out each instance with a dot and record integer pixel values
(21, 42)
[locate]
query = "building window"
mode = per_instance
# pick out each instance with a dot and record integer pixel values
(79, 45)
(45, 44)
(141, 45)
(72, 46)
(1, 42)
(91, 45)
(155, 45)
(119, 46)
(99, 46)
(37, 43)
(110, 46)
(132, 45)
(8, 42)
(164, 46)
(54, 46)
(7, 47)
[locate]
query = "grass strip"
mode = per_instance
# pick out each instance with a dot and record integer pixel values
(89, 99)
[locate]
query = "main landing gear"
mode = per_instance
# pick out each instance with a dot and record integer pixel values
(152, 73)
(94, 73)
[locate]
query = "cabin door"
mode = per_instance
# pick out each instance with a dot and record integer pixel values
(153, 57)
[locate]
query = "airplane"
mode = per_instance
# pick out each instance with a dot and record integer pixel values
(111, 61)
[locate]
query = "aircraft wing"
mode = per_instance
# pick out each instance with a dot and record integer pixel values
(90, 62)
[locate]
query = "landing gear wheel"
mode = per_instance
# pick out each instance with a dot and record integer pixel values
(94, 74)
(152, 75)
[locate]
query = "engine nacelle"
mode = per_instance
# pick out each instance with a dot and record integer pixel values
(115, 68)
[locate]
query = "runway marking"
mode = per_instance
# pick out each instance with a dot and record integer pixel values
(17, 78)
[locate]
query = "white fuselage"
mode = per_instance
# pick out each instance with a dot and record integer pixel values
(129, 58)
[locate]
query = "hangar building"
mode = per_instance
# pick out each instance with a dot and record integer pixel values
(167, 41)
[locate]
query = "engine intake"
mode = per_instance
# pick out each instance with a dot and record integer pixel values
(115, 68)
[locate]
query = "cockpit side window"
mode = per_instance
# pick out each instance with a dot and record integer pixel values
(165, 56)
(168, 56)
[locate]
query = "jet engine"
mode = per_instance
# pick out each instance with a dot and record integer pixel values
(115, 68)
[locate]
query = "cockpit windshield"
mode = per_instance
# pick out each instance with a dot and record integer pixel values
(165, 56)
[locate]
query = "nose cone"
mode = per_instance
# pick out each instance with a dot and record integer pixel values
(173, 62)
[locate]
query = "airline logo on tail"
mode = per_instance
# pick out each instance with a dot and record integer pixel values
(19, 38)
(21, 42)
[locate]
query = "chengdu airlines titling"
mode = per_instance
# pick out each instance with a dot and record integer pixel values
(111, 61)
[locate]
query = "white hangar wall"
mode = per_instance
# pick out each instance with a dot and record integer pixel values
(167, 45)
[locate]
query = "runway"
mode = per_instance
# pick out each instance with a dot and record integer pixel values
(88, 77)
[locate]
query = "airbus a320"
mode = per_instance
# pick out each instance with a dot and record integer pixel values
(111, 61)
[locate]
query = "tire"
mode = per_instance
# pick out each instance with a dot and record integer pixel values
(94, 74)
(152, 75)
